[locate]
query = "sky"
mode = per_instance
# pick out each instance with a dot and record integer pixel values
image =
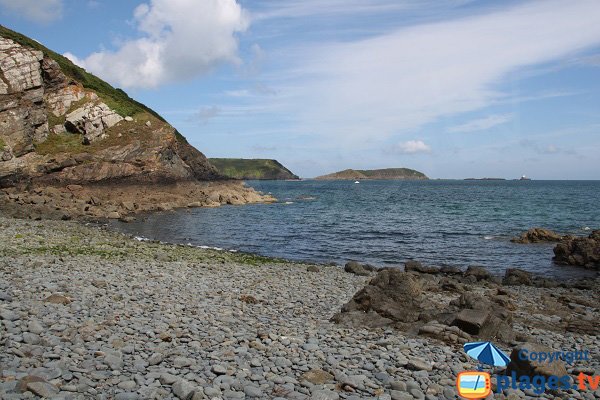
(452, 88)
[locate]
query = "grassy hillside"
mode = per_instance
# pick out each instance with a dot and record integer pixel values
(115, 98)
(386, 173)
(252, 169)
(392, 173)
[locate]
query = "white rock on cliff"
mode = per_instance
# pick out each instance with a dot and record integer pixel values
(91, 120)
(20, 67)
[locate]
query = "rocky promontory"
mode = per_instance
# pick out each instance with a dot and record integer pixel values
(386, 173)
(252, 169)
(61, 126)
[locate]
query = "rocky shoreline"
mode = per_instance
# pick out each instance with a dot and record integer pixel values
(87, 313)
(122, 201)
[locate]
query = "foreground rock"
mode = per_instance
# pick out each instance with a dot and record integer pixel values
(404, 300)
(537, 235)
(525, 366)
(584, 252)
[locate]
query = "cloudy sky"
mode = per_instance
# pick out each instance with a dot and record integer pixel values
(453, 88)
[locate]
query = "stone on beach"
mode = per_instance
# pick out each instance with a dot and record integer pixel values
(355, 268)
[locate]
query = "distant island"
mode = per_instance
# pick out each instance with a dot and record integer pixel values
(485, 179)
(252, 169)
(386, 173)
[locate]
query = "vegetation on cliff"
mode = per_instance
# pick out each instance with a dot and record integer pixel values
(252, 169)
(386, 173)
(65, 125)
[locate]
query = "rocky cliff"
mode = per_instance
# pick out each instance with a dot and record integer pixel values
(250, 169)
(386, 173)
(60, 125)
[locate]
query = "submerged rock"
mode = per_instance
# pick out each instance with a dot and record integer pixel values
(537, 235)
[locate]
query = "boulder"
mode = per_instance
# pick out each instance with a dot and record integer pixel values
(529, 367)
(584, 252)
(355, 268)
(392, 294)
(537, 235)
(486, 317)
(416, 266)
(471, 320)
(480, 273)
(403, 300)
(516, 276)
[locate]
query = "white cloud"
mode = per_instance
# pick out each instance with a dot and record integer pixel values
(482, 124)
(410, 147)
(395, 83)
(180, 40)
(43, 11)
(205, 114)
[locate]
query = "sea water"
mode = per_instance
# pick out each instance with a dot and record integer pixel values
(439, 222)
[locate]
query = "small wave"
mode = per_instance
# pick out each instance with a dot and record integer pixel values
(288, 202)
(141, 239)
(307, 198)
(488, 237)
(585, 228)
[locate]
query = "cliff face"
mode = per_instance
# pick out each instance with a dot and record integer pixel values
(252, 169)
(72, 144)
(386, 173)
(55, 129)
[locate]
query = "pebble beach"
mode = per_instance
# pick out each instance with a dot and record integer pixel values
(86, 313)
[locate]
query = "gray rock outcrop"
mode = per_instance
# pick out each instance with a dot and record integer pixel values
(584, 252)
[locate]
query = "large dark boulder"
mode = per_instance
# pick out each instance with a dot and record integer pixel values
(483, 317)
(529, 364)
(537, 235)
(392, 294)
(584, 252)
(405, 300)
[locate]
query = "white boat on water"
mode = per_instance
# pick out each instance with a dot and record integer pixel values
(356, 182)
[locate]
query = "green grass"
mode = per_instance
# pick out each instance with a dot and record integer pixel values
(392, 172)
(2, 144)
(61, 143)
(115, 98)
(239, 168)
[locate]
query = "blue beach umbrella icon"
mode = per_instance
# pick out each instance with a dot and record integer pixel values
(487, 353)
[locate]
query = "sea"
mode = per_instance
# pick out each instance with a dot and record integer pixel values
(384, 222)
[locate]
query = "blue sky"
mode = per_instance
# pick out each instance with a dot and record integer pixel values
(452, 88)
